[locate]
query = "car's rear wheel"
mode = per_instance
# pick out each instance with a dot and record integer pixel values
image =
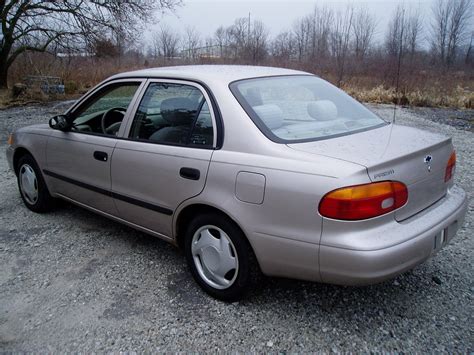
(33, 189)
(220, 257)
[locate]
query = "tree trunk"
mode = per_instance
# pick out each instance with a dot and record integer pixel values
(4, 65)
(3, 77)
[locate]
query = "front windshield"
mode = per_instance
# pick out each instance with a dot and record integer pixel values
(300, 108)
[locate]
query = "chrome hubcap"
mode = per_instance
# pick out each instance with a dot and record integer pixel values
(215, 257)
(28, 184)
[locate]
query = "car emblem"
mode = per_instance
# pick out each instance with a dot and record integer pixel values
(428, 160)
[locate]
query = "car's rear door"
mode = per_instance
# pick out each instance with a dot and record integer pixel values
(165, 158)
(78, 161)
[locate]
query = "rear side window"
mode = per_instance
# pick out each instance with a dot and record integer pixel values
(299, 108)
(175, 114)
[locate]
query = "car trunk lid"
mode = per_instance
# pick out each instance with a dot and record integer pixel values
(416, 158)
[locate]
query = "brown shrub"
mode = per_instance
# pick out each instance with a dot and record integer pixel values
(420, 84)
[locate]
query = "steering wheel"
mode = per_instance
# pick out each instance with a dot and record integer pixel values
(106, 113)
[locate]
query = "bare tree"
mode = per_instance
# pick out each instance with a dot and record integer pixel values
(258, 41)
(302, 32)
(458, 27)
(191, 42)
(364, 28)
(395, 41)
(468, 59)
(244, 39)
(321, 20)
(441, 14)
(404, 31)
(239, 36)
(340, 40)
(221, 40)
(414, 28)
(450, 28)
(282, 47)
(105, 48)
(165, 42)
(209, 41)
(44, 25)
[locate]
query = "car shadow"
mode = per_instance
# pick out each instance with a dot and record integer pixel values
(396, 297)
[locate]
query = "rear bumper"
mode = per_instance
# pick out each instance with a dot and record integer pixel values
(424, 235)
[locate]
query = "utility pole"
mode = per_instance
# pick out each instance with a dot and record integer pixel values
(248, 49)
(248, 31)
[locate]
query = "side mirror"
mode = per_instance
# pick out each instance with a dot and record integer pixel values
(59, 122)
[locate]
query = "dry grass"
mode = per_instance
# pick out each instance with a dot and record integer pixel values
(30, 97)
(420, 86)
(4, 98)
(456, 98)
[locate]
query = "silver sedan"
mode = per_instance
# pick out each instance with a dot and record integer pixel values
(249, 170)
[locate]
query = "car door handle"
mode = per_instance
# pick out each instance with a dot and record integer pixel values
(189, 173)
(102, 156)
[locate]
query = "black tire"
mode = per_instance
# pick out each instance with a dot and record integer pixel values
(248, 270)
(43, 201)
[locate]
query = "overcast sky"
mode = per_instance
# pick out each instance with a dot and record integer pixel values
(278, 15)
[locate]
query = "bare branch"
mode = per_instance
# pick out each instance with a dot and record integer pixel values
(364, 28)
(450, 28)
(35, 25)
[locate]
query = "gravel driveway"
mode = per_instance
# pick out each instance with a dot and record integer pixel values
(74, 281)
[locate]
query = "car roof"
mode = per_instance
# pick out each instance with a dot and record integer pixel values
(206, 73)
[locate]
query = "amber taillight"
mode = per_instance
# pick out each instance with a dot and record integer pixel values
(448, 175)
(363, 201)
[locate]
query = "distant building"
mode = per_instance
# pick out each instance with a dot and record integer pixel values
(208, 52)
(74, 54)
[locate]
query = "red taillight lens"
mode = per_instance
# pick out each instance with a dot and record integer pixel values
(450, 167)
(363, 201)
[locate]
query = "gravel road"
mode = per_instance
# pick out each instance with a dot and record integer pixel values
(74, 281)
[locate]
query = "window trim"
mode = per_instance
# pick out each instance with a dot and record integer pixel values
(196, 118)
(207, 94)
(95, 91)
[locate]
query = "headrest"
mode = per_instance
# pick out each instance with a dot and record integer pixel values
(253, 97)
(271, 115)
(322, 110)
(178, 110)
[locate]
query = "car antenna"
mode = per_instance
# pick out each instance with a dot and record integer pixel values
(399, 65)
(394, 113)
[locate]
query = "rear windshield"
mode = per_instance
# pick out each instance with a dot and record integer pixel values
(300, 108)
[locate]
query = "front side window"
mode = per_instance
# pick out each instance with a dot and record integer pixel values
(104, 112)
(299, 108)
(174, 114)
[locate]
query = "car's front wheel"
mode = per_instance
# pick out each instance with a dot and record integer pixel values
(220, 257)
(33, 189)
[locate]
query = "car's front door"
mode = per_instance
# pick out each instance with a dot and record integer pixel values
(78, 161)
(166, 157)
